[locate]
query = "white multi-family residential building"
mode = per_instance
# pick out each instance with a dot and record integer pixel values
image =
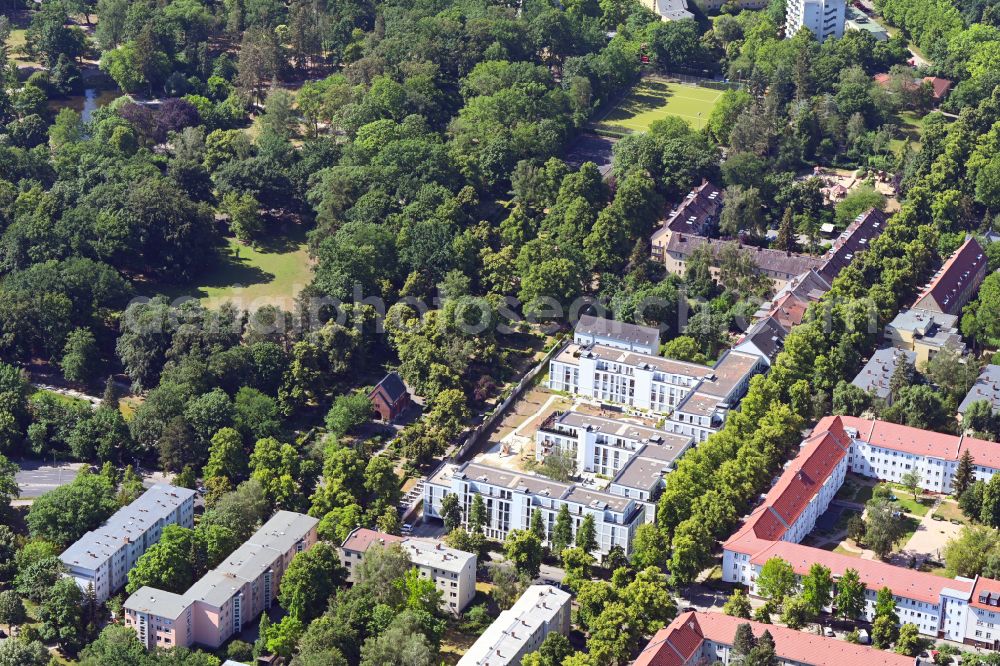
(453, 571)
(591, 330)
(648, 382)
(540, 611)
(512, 497)
(938, 606)
(602, 445)
(698, 415)
(887, 451)
(823, 18)
(104, 557)
(227, 598)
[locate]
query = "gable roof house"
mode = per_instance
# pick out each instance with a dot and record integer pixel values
(389, 397)
(697, 214)
(765, 339)
(956, 282)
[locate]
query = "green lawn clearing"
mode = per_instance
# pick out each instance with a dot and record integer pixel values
(16, 43)
(62, 397)
(250, 277)
(652, 100)
(920, 507)
(904, 499)
(910, 128)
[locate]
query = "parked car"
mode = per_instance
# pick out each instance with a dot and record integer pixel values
(863, 637)
(828, 632)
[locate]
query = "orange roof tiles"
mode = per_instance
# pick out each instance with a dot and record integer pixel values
(790, 645)
(362, 538)
(921, 442)
(802, 479)
(986, 594)
(874, 574)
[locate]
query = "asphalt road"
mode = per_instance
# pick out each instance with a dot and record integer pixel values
(37, 478)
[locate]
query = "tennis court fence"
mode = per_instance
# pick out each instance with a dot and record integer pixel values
(701, 81)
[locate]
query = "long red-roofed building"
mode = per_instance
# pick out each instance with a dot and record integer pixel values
(938, 606)
(957, 280)
(707, 638)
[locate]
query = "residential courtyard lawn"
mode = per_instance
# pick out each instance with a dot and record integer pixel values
(855, 491)
(950, 510)
(651, 100)
(910, 525)
(904, 498)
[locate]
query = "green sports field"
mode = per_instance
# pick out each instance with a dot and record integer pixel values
(652, 100)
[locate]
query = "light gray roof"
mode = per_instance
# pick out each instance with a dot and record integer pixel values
(619, 330)
(284, 530)
(598, 500)
(875, 376)
(731, 369)
(933, 328)
(214, 588)
(434, 554)
(572, 353)
(700, 404)
(157, 602)
(537, 485)
(619, 427)
(248, 561)
(127, 524)
(987, 387)
(505, 478)
(645, 470)
(538, 606)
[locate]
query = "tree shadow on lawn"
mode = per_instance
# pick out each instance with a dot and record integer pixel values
(286, 234)
(231, 271)
(226, 271)
(652, 95)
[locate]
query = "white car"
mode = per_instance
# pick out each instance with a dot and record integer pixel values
(828, 632)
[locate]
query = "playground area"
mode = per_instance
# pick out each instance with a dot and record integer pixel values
(654, 99)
